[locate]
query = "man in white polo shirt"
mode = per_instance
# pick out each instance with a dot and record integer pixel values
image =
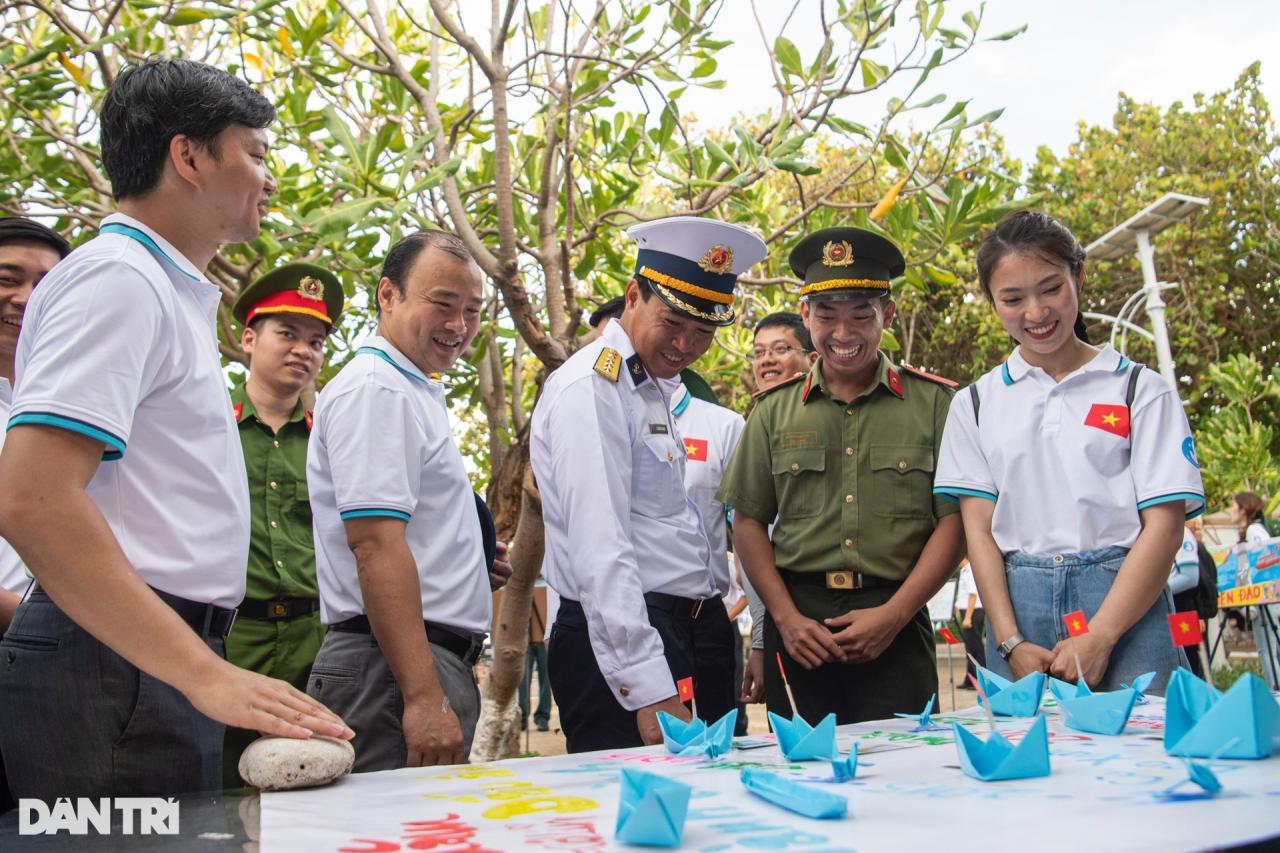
(122, 484)
(404, 585)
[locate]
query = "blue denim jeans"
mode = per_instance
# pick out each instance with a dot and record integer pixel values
(1046, 587)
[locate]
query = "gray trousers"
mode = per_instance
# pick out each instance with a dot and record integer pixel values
(352, 678)
(78, 720)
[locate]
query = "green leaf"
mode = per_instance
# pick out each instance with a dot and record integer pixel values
(719, 154)
(339, 218)
(797, 167)
(788, 55)
(939, 276)
(705, 68)
(1010, 34)
(872, 73)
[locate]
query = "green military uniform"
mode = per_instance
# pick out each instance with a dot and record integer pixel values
(277, 631)
(850, 484)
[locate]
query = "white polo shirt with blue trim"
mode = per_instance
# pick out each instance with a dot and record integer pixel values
(1067, 464)
(381, 447)
(118, 344)
(14, 576)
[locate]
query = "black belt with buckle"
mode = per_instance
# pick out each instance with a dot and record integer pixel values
(676, 605)
(278, 608)
(837, 579)
(467, 648)
(207, 620)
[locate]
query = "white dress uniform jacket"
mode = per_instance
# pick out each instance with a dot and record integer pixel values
(619, 523)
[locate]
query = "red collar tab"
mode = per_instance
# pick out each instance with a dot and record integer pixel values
(808, 382)
(310, 419)
(237, 410)
(895, 382)
(930, 376)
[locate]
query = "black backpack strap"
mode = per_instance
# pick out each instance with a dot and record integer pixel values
(973, 395)
(1131, 390)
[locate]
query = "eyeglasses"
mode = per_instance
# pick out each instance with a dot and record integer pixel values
(778, 350)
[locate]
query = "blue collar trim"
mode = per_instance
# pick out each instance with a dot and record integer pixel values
(1004, 374)
(391, 361)
(145, 239)
(683, 404)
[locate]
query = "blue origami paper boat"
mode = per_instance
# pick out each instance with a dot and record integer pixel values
(1019, 698)
(801, 742)
(1197, 774)
(844, 769)
(1200, 722)
(1099, 713)
(793, 796)
(651, 809)
(1063, 690)
(695, 737)
(923, 722)
(997, 759)
(1140, 684)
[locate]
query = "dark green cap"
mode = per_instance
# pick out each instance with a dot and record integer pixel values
(304, 289)
(846, 263)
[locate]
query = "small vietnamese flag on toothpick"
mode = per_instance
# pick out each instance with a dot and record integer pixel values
(948, 636)
(787, 684)
(1076, 623)
(684, 691)
(1185, 628)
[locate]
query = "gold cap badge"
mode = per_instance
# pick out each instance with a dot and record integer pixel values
(837, 254)
(311, 288)
(718, 259)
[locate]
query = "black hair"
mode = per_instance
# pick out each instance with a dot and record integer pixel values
(609, 310)
(1251, 506)
(405, 253)
(19, 229)
(151, 103)
(788, 320)
(1031, 231)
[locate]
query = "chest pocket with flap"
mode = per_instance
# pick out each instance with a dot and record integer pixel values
(902, 479)
(800, 481)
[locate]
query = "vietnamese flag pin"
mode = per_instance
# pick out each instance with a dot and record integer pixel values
(787, 684)
(1185, 628)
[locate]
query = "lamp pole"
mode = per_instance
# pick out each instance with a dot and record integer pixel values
(1155, 307)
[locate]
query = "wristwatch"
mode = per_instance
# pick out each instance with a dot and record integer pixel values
(1006, 648)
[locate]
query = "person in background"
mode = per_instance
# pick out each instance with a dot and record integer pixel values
(535, 659)
(972, 621)
(28, 250)
(1247, 516)
(285, 317)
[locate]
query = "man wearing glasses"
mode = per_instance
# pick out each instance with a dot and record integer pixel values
(782, 348)
(843, 458)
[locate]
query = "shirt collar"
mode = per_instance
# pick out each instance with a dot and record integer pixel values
(615, 337)
(158, 243)
(243, 408)
(887, 375)
(1107, 360)
(397, 359)
(680, 398)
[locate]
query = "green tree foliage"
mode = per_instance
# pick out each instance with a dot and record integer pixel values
(1236, 443)
(1225, 259)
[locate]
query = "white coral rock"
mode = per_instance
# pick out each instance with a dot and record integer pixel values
(281, 763)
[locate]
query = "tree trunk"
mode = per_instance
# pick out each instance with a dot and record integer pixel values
(497, 733)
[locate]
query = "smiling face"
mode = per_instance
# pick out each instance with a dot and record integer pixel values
(238, 183)
(846, 334)
(1037, 302)
(777, 355)
(667, 342)
(22, 264)
(438, 315)
(285, 350)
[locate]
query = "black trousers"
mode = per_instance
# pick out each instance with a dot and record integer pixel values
(973, 642)
(591, 717)
(900, 680)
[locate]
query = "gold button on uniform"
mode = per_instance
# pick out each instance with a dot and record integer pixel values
(275, 443)
(848, 543)
(902, 466)
(279, 564)
(671, 456)
(274, 485)
(848, 451)
(624, 691)
(848, 411)
(274, 525)
(795, 466)
(848, 499)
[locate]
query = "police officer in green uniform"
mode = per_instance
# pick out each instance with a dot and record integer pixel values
(843, 458)
(286, 316)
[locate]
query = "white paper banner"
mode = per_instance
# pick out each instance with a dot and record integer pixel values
(909, 794)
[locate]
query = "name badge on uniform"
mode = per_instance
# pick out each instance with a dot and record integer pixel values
(658, 429)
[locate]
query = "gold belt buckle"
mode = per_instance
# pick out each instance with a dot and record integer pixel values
(279, 609)
(844, 580)
(697, 608)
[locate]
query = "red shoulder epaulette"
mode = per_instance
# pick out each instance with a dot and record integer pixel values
(779, 384)
(309, 418)
(931, 377)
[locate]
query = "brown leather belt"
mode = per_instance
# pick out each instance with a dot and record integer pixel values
(837, 579)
